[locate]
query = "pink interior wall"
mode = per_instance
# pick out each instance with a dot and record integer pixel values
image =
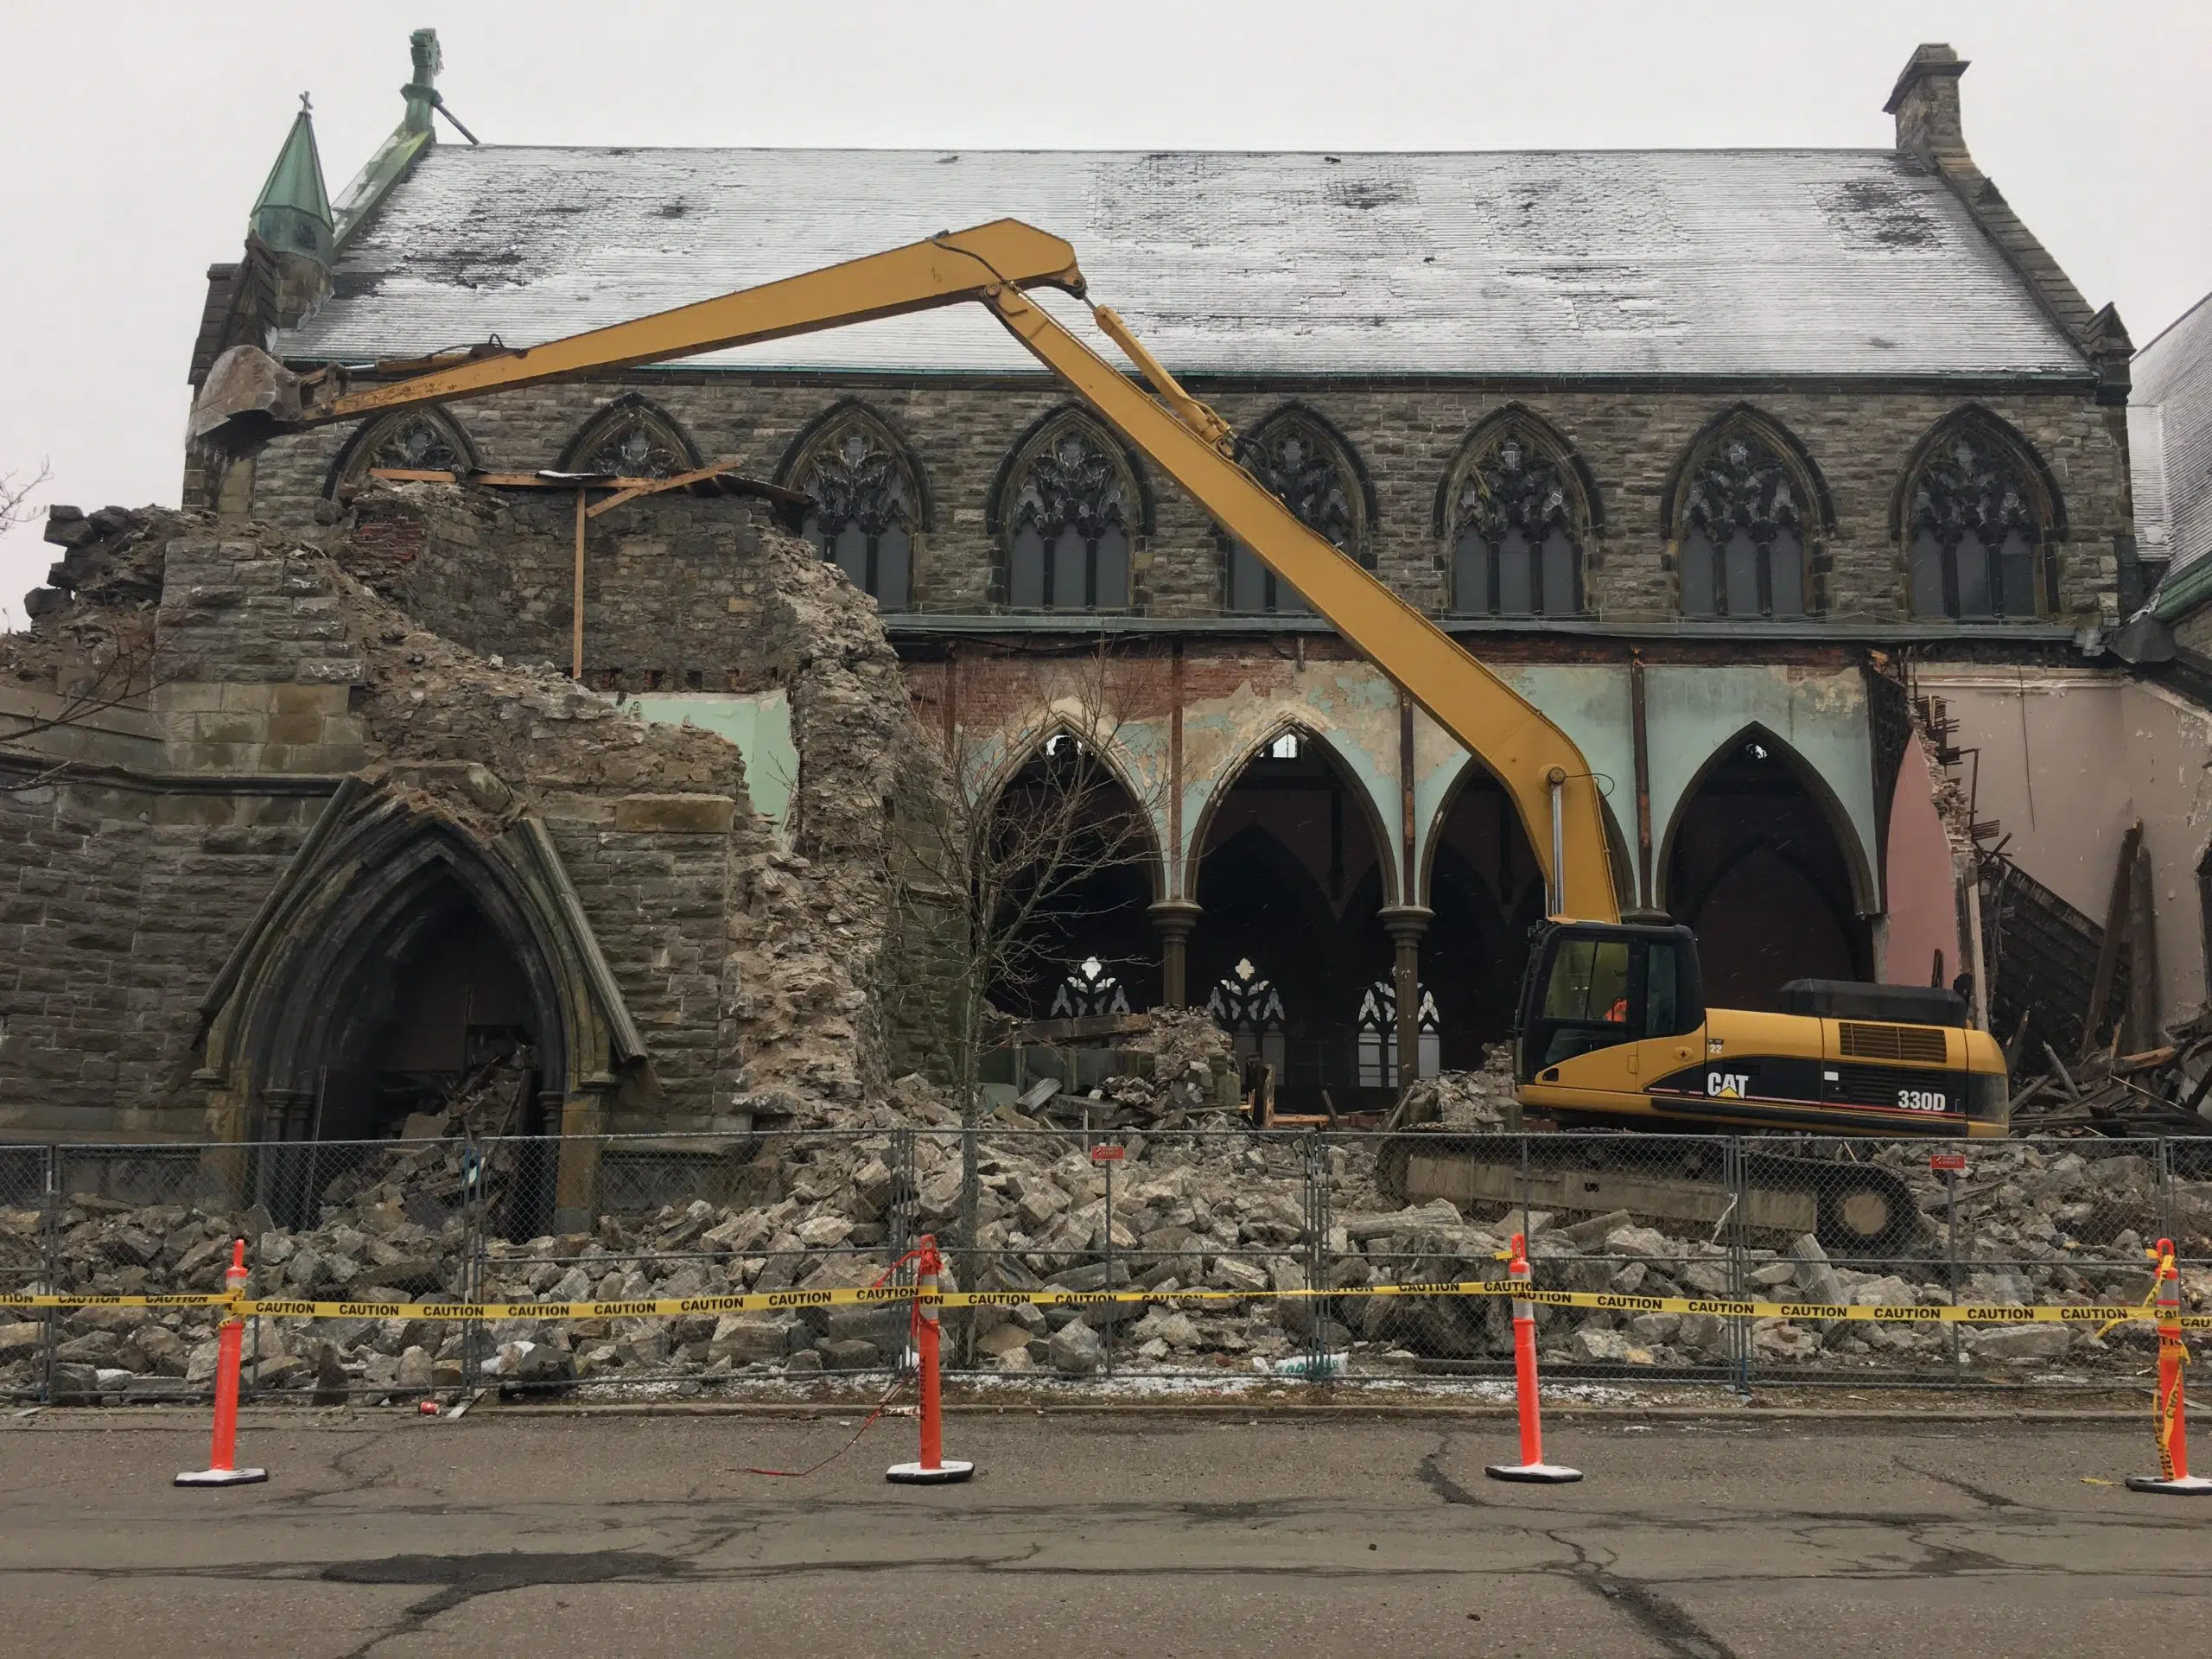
(1923, 909)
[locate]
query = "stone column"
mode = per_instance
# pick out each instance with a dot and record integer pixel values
(576, 1183)
(1174, 919)
(1406, 924)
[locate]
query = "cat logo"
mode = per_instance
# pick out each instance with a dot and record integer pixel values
(1727, 1085)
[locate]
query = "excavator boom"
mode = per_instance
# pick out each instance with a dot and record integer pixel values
(248, 398)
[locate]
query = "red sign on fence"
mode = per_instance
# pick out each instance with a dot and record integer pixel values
(1108, 1154)
(1948, 1163)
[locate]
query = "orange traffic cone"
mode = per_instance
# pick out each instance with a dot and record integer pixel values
(1531, 1467)
(220, 1470)
(2173, 1474)
(934, 1469)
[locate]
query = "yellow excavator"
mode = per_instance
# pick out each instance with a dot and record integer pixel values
(1613, 1027)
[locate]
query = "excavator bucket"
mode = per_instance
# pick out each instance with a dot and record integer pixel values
(248, 398)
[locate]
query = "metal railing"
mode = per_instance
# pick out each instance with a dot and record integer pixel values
(1229, 1211)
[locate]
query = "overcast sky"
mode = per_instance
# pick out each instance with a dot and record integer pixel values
(134, 137)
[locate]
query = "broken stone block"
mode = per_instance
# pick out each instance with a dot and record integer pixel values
(1815, 1276)
(415, 1373)
(1076, 1350)
(1600, 1347)
(21, 1341)
(1005, 1339)
(2020, 1344)
(1641, 1242)
(847, 1354)
(744, 1338)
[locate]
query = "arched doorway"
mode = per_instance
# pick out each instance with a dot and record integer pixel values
(1290, 877)
(1755, 866)
(401, 959)
(1072, 855)
(1486, 891)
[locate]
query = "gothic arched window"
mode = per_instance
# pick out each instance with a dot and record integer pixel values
(1977, 516)
(1305, 467)
(867, 515)
(1746, 519)
(631, 439)
(1087, 991)
(1375, 1046)
(1245, 1004)
(1069, 516)
(1515, 522)
(414, 440)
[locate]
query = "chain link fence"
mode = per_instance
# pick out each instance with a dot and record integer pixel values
(1239, 1214)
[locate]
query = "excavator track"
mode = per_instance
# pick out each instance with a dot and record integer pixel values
(1701, 1183)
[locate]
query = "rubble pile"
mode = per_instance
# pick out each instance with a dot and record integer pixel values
(1471, 1102)
(820, 1210)
(2162, 1091)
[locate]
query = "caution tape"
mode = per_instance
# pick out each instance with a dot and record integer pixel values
(878, 1295)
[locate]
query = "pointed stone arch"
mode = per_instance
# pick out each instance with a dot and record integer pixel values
(1307, 732)
(1068, 510)
(429, 438)
(1517, 515)
(1083, 892)
(1977, 518)
(1747, 519)
(1864, 891)
(1761, 858)
(871, 512)
(826, 432)
(302, 993)
(1302, 457)
(631, 437)
(1120, 766)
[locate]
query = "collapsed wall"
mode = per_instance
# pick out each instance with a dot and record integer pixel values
(221, 747)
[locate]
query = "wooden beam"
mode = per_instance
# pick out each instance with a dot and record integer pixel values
(2117, 910)
(629, 489)
(576, 621)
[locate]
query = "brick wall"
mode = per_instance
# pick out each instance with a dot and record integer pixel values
(1407, 438)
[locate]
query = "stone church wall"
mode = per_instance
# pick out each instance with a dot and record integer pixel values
(1632, 439)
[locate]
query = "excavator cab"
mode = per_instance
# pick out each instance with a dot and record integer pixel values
(1591, 986)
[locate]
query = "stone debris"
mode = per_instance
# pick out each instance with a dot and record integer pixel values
(816, 1209)
(1465, 1101)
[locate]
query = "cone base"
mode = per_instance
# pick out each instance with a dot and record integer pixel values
(221, 1477)
(2187, 1486)
(1541, 1474)
(945, 1474)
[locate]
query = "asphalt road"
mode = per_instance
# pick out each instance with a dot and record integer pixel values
(505, 1534)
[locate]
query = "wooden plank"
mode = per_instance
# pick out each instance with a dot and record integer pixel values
(2116, 914)
(576, 622)
(632, 488)
(2140, 1028)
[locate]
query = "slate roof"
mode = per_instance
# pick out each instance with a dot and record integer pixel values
(2169, 439)
(1735, 262)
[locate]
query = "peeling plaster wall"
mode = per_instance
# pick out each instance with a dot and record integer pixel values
(2069, 758)
(1924, 914)
(1696, 714)
(1238, 696)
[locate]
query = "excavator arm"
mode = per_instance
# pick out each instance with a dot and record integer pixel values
(248, 397)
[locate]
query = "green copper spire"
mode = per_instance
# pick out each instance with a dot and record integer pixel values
(293, 212)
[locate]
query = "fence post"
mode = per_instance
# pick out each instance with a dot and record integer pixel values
(1951, 1254)
(2165, 1167)
(53, 1241)
(1317, 1254)
(1739, 1284)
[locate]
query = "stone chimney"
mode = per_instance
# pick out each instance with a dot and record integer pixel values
(1926, 102)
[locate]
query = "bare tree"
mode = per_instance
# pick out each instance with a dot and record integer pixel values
(1009, 828)
(16, 494)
